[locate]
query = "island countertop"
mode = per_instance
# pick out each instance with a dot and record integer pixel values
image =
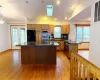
(34, 44)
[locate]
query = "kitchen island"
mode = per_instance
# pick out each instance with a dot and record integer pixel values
(70, 46)
(41, 53)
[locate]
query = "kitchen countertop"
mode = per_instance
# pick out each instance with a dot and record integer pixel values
(56, 39)
(34, 44)
(72, 42)
(67, 41)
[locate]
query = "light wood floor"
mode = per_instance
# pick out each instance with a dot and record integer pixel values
(11, 68)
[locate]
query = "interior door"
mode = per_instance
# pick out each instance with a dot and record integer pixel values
(18, 36)
(22, 35)
(15, 37)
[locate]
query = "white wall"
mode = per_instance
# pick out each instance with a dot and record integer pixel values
(94, 39)
(72, 34)
(4, 37)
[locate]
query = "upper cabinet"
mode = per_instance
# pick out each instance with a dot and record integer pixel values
(38, 27)
(31, 26)
(45, 27)
(65, 29)
(51, 29)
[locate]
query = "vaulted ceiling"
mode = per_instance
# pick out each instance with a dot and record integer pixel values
(32, 9)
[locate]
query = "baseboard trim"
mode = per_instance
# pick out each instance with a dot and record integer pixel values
(5, 51)
(16, 49)
(83, 49)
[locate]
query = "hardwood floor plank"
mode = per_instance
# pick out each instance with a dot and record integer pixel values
(12, 69)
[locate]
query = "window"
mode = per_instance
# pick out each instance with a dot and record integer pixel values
(57, 32)
(83, 34)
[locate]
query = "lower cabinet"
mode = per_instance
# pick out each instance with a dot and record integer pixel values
(62, 45)
(66, 49)
(69, 48)
(59, 47)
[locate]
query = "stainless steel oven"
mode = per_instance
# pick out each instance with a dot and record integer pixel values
(45, 36)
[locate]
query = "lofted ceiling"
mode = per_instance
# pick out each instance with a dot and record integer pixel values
(84, 15)
(17, 10)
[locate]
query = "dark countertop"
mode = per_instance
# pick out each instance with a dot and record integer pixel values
(67, 41)
(72, 42)
(40, 44)
(56, 39)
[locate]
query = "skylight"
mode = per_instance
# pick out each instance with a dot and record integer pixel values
(49, 10)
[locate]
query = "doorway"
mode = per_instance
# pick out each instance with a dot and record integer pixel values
(18, 34)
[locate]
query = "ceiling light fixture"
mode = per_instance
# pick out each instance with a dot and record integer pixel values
(49, 10)
(58, 2)
(66, 18)
(73, 7)
(55, 18)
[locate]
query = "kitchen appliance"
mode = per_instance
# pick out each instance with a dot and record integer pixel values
(45, 35)
(31, 35)
(51, 36)
(64, 36)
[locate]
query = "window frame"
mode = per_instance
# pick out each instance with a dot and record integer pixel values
(54, 31)
(82, 26)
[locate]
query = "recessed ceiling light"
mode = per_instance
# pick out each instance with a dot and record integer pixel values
(55, 18)
(66, 18)
(73, 7)
(58, 2)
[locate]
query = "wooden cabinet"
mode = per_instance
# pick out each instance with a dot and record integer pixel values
(31, 26)
(51, 29)
(69, 48)
(62, 45)
(45, 27)
(38, 37)
(38, 27)
(65, 29)
(58, 47)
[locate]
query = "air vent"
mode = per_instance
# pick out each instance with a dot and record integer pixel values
(42, 1)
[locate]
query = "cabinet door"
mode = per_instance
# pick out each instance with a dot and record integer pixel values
(68, 29)
(62, 45)
(31, 26)
(38, 27)
(38, 37)
(34, 26)
(45, 27)
(65, 29)
(58, 47)
(51, 29)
